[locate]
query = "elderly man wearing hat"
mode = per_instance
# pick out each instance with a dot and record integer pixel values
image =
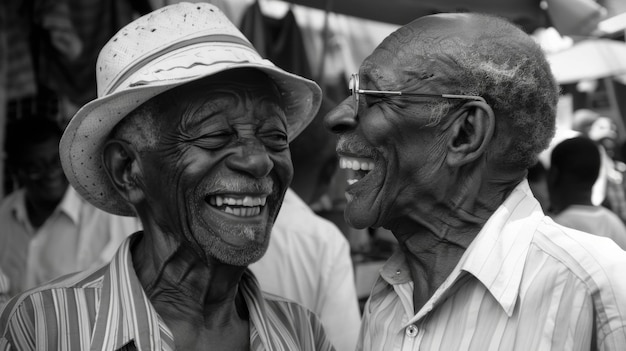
(190, 133)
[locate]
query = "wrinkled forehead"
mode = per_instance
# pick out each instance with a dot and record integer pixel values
(424, 49)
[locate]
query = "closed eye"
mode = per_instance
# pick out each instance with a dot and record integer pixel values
(276, 140)
(373, 99)
(212, 141)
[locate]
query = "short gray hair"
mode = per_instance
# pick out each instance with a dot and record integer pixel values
(510, 71)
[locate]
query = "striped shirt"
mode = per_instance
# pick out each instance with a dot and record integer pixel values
(106, 309)
(4, 289)
(525, 283)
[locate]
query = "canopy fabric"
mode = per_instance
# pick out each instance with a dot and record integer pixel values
(589, 59)
(526, 13)
(565, 15)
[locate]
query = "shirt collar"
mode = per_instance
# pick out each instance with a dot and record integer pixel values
(70, 205)
(497, 255)
(19, 205)
(126, 315)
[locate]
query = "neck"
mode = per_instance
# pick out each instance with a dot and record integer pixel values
(39, 210)
(435, 234)
(185, 288)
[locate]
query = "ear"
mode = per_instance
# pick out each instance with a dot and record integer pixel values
(121, 163)
(472, 131)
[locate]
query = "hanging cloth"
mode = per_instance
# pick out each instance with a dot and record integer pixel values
(95, 22)
(279, 40)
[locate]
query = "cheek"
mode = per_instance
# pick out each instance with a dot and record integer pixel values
(283, 166)
(197, 162)
(377, 130)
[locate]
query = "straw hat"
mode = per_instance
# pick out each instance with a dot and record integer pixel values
(162, 50)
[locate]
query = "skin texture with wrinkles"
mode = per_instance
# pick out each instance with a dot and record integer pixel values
(223, 135)
(439, 171)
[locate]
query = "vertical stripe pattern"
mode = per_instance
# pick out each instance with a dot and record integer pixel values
(107, 309)
(525, 283)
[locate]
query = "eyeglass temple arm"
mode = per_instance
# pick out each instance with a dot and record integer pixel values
(447, 96)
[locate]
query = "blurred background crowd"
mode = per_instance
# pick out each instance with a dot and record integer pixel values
(48, 50)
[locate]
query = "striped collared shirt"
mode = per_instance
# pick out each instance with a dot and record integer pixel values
(107, 309)
(525, 283)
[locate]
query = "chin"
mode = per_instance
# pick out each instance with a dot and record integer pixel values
(359, 219)
(238, 256)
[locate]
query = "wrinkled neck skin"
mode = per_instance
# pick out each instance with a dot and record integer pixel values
(188, 292)
(436, 232)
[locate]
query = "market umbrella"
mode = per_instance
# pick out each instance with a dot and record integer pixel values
(526, 13)
(569, 17)
(589, 59)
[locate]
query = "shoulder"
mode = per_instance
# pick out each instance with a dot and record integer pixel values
(11, 201)
(45, 306)
(595, 260)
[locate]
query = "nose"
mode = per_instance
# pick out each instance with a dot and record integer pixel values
(342, 118)
(251, 158)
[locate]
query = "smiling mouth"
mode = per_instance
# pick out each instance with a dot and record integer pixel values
(238, 205)
(360, 167)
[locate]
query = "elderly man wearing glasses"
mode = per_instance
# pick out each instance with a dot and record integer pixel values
(446, 115)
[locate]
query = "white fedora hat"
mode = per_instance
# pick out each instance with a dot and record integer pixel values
(169, 47)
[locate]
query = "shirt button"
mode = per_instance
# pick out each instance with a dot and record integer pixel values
(411, 331)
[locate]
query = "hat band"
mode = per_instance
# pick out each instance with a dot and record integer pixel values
(222, 38)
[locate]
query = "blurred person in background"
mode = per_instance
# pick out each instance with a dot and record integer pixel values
(574, 167)
(46, 228)
(608, 189)
(538, 182)
(308, 261)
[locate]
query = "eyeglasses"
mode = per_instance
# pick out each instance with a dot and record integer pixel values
(355, 92)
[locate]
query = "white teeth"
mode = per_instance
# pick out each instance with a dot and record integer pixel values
(248, 201)
(352, 181)
(355, 164)
(253, 201)
(247, 206)
(243, 211)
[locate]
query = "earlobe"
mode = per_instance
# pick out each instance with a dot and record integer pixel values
(120, 162)
(472, 131)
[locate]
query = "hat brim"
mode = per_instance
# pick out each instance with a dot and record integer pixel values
(82, 143)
